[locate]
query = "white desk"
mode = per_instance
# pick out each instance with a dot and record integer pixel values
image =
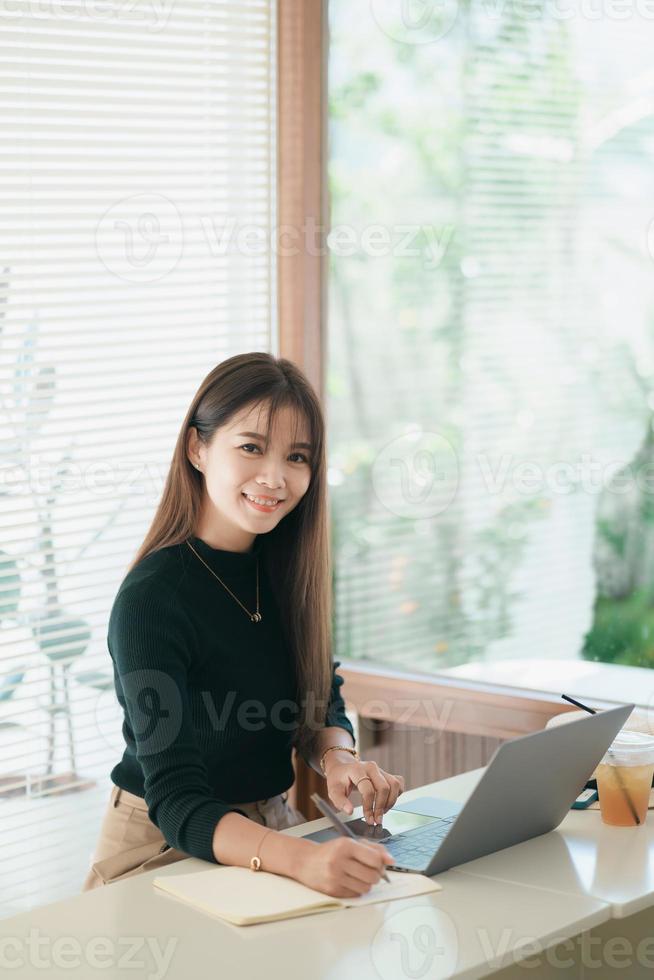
(583, 856)
(477, 925)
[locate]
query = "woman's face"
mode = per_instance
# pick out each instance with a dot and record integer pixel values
(237, 463)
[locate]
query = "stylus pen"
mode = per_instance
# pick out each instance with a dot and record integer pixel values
(338, 824)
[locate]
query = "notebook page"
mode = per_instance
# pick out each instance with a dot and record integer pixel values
(402, 885)
(244, 897)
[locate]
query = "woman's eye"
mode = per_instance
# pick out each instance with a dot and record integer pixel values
(250, 445)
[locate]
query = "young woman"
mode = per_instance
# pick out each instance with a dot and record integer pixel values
(220, 640)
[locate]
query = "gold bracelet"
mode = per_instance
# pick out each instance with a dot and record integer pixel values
(255, 862)
(343, 748)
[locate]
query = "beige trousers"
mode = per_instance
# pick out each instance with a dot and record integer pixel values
(130, 843)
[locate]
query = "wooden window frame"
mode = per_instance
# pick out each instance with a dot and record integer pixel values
(302, 203)
(301, 199)
(431, 701)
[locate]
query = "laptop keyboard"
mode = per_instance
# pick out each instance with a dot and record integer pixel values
(416, 847)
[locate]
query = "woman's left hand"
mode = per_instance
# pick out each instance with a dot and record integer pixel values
(378, 788)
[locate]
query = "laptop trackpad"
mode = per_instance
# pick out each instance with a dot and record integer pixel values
(403, 816)
(430, 806)
(393, 822)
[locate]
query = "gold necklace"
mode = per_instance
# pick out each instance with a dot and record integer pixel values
(254, 617)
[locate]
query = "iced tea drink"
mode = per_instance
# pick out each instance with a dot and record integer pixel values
(624, 779)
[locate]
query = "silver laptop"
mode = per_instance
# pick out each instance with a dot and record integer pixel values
(528, 787)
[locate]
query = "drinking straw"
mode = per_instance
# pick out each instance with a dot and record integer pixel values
(618, 774)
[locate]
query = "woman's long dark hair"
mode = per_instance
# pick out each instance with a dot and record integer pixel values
(296, 552)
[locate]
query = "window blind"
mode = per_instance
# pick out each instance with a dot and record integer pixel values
(490, 349)
(137, 189)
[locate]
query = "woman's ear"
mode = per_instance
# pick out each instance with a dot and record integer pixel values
(192, 442)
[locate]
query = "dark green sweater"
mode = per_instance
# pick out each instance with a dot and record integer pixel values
(208, 696)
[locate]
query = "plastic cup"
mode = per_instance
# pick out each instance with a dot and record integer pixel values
(624, 779)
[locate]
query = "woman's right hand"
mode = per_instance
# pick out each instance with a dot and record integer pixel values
(343, 867)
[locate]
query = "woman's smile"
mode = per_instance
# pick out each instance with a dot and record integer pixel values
(263, 508)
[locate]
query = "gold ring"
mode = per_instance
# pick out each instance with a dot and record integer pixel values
(361, 780)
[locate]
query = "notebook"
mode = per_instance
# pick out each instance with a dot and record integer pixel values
(244, 897)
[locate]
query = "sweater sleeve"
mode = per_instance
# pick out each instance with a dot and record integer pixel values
(150, 641)
(336, 709)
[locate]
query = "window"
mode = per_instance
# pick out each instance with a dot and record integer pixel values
(491, 339)
(137, 139)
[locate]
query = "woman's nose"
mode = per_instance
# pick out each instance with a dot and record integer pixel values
(272, 476)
